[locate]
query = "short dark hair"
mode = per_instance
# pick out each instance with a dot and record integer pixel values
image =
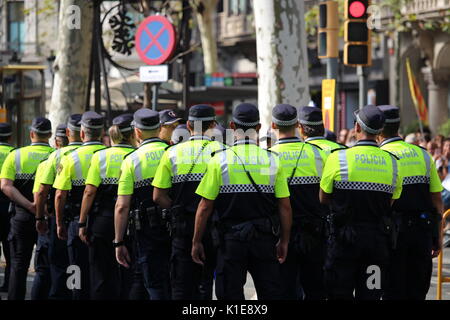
(93, 134)
(63, 141)
(43, 136)
(4, 139)
(238, 126)
(205, 124)
(284, 129)
(390, 129)
(313, 131)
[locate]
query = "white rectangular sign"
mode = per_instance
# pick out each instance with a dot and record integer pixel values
(158, 73)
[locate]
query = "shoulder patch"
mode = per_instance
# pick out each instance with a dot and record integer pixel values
(393, 155)
(337, 149)
(217, 151)
(312, 144)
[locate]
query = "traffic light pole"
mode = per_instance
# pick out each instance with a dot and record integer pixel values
(363, 85)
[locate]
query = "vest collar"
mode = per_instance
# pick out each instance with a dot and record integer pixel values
(393, 139)
(40, 144)
(197, 137)
(315, 138)
(122, 145)
(288, 140)
(76, 143)
(372, 143)
(92, 143)
(150, 140)
(244, 141)
(5, 144)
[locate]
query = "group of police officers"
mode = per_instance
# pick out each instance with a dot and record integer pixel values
(309, 219)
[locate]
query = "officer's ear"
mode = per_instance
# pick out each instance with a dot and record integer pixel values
(357, 128)
(274, 126)
(82, 134)
(67, 132)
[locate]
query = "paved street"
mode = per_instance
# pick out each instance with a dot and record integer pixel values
(250, 293)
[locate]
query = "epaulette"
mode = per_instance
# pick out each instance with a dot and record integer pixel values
(170, 146)
(13, 149)
(312, 144)
(391, 154)
(217, 151)
(130, 153)
(337, 149)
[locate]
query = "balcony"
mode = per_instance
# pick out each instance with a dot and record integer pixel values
(427, 9)
(234, 29)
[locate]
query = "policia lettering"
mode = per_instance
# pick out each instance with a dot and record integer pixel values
(302, 164)
(17, 177)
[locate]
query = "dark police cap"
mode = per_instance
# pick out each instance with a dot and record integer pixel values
(168, 117)
(41, 125)
(74, 122)
(61, 130)
(284, 115)
(92, 120)
(202, 112)
(391, 113)
(123, 122)
(310, 116)
(246, 114)
(371, 119)
(5, 129)
(146, 119)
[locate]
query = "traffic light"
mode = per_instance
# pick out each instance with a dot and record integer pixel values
(328, 30)
(357, 37)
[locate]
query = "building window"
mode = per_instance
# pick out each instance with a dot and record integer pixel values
(239, 7)
(16, 25)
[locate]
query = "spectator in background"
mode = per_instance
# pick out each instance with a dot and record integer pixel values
(330, 135)
(169, 121)
(343, 136)
(351, 138)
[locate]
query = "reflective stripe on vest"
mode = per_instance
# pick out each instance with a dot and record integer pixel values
(343, 165)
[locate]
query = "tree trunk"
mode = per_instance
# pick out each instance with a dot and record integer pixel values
(282, 58)
(206, 23)
(72, 61)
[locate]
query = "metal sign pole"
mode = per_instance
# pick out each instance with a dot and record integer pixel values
(155, 96)
(363, 85)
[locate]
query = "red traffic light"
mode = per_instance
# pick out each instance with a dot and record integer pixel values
(357, 9)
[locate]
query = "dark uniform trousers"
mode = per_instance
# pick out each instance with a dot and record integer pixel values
(5, 217)
(153, 255)
(103, 267)
(59, 261)
(411, 265)
(22, 237)
(132, 280)
(353, 254)
(302, 272)
(79, 256)
(257, 255)
(41, 281)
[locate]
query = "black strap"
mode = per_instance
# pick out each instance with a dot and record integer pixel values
(180, 190)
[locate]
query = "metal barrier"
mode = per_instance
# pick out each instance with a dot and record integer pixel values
(440, 278)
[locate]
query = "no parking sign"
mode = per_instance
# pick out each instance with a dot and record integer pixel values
(155, 40)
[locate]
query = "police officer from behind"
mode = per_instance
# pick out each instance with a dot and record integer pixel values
(99, 199)
(153, 242)
(69, 184)
(67, 138)
(5, 215)
(360, 183)
(177, 177)
(42, 265)
(17, 178)
(302, 164)
(249, 190)
(313, 131)
(418, 214)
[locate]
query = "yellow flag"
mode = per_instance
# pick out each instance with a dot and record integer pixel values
(416, 95)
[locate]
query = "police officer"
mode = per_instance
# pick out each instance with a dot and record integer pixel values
(169, 121)
(302, 164)
(69, 184)
(417, 212)
(152, 238)
(98, 204)
(17, 178)
(5, 216)
(313, 131)
(360, 183)
(177, 177)
(42, 280)
(245, 184)
(67, 138)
